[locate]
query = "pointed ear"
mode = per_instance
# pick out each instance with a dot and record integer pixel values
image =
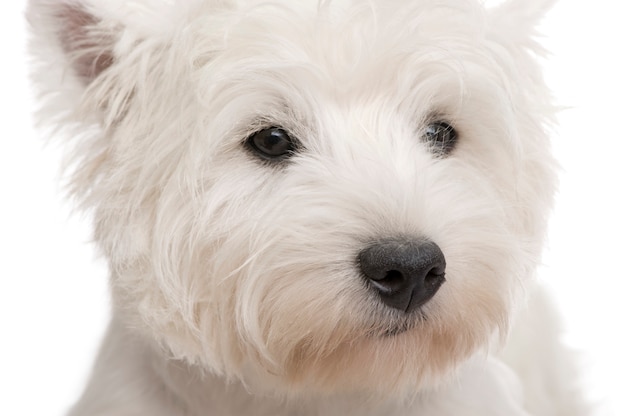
(94, 46)
(71, 33)
(516, 20)
(72, 46)
(89, 48)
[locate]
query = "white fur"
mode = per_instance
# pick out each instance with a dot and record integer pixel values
(234, 282)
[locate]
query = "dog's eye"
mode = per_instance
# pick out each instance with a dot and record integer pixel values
(441, 136)
(271, 143)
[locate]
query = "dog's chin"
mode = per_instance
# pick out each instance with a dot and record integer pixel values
(395, 331)
(403, 325)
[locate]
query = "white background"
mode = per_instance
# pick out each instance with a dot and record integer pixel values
(53, 294)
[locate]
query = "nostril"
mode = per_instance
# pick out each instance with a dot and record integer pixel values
(432, 281)
(435, 274)
(391, 282)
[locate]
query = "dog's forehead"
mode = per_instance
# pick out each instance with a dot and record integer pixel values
(348, 32)
(354, 52)
(351, 45)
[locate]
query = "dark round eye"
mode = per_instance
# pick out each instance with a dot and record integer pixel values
(441, 136)
(271, 143)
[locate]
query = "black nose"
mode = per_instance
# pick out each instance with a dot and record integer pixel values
(405, 273)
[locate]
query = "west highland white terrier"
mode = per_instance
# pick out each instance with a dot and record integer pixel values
(311, 207)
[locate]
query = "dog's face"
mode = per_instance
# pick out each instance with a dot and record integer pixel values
(333, 198)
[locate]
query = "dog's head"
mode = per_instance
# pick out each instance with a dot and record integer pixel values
(333, 197)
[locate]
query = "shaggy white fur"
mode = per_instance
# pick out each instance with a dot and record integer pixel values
(236, 274)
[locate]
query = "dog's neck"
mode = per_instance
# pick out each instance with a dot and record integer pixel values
(132, 376)
(203, 393)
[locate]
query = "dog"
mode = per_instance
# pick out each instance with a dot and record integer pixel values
(312, 207)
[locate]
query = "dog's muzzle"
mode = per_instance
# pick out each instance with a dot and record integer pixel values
(404, 273)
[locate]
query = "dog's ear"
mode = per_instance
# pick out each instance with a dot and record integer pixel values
(88, 46)
(89, 55)
(73, 45)
(71, 36)
(515, 21)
